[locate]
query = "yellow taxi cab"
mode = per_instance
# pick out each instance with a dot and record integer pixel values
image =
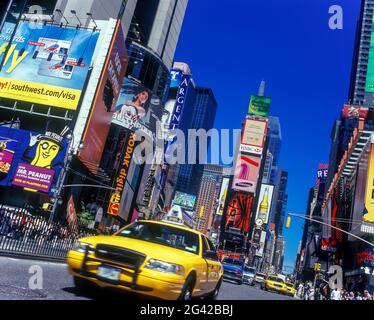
(288, 289)
(152, 258)
(273, 283)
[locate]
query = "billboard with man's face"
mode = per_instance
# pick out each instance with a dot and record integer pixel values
(45, 64)
(30, 160)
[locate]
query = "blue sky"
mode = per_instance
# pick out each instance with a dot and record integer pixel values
(232, 45)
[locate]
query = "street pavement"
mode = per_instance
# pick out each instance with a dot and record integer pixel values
(57, 284)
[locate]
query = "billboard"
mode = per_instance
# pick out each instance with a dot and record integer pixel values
(31, 160)
(350, 112)
(264, 204)
(366, 257)
(254, 133)
(222, 196)
(120, 181)
(369, 198)
(246, 173)
(369, 86)
(259, 106)
(238, 211)
(260, 250)
(47, 65)
(71, 216)
(322, 173)
(184, 200)
(106, 97)
(137, 108)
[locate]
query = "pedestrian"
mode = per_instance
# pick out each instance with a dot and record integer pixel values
(335, 294)
(367, 296)
(351, 296)
(358, 296)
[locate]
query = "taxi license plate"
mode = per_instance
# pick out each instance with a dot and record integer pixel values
(108, 273)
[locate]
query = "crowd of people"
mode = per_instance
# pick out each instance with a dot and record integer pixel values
(306, 291)
(24, 228)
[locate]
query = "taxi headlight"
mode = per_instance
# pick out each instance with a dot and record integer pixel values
(82, 247)
(165, 267)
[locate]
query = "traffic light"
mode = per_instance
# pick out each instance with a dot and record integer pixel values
(47, 206)
(288, 222)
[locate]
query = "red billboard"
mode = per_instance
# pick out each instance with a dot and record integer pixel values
(246, 173)
(350, 112)
(238, 211)
(106, 97)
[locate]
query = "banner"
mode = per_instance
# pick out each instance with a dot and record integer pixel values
(100, 119)
(350, 112)
(71, 216)
(47, 65)
(264, 204)
(184, 200)
(254, 133)
(238, 211)
(259, 106)
(30, 160)
(246, 173)
(369, 86)
(115, 199)
(137, 108)
(369, 199)
(222, 196)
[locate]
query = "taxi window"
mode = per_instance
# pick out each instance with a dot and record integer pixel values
(164, 235)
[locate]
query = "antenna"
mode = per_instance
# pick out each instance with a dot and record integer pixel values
(261, 89)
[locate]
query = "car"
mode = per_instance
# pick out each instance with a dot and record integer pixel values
(249, 275)
(259, 278)
(233, 269)
(152, 258)
(273, 283)
(288, 289)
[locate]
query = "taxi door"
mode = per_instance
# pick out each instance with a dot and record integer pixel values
(213, 264)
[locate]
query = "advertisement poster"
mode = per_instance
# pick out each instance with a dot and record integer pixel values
(47, 65)
(254, 133)
(366, 258)
(322, 173)
(369, 87)
(238, 211)
(259, 106)
(222, 196)
(246, 173)
(105, 101)
(350, 112)
(137, 108)
(369, 199)
(30, 160)
(120, 181)
(260, 250)
(265, 203)
(71, 216)
(184, 200)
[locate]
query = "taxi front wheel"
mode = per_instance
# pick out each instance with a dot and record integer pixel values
(186, 293)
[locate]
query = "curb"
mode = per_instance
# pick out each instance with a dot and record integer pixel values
(30, 256)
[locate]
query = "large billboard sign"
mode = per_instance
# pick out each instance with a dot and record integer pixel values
(369, 87)
(259, 106)
(260, 250)
(350, 112)
(369, 198)
(30, 160)
(179, 103)
(322, 173)
(137, 108)
(254, 133)
(238, 211)
(222, 196)
(246, 173)
(265, 203)
(105, 101)
(366, 257)
(47, 65)
(120, 181)
(184, 200)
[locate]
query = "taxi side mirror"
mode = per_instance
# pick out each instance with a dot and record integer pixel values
(211, 255)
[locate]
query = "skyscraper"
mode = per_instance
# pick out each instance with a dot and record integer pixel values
(200, 115)
(275, 143)
(280, 205)
(357, 92)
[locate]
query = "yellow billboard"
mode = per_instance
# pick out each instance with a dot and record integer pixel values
(369, 198)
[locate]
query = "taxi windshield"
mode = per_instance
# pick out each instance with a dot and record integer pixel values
(162, 234)
(275, 279)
